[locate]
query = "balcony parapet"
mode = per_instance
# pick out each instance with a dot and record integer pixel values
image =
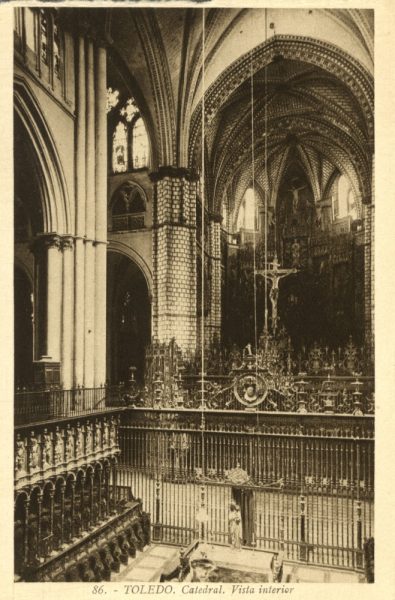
(60, 448)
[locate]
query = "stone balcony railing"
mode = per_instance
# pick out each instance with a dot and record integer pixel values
(60, 448)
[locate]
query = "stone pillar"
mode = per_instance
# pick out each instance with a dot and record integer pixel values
(67, 312)
(39, 510)
(72, 507)
(48, 297)
(107, 488)
(26, 504)
(51, 512)
(54, 298)
(62, 492)
(213, 323)
(90, 231)
(101, 218)
(99, 494)
(79, 255)
(114, 484)
(174, 306)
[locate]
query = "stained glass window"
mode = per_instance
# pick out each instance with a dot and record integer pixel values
(120, 149)
(56, 47)
(140, 144)
(43, 36)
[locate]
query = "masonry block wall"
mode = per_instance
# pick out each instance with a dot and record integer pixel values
(174, 256)
(213, 322)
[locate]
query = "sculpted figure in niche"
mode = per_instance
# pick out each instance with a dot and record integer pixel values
(34, 452)
(58, 447)
(70, 444)
(19, 454)
(47, 449)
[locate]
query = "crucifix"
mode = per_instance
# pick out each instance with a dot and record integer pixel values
(295, 196)
(274, 273)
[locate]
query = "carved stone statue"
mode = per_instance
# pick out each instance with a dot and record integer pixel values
(58, 447)
(113, 433)
(20, 454)
(34, 452)
(97, 436)
(79, 442)
(105, 434)
(47, 449)
(88, 439)
(70, 444)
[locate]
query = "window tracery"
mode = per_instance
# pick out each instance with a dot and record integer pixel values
(130, 146)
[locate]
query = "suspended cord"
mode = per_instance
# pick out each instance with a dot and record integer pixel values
(202, 332)
(254, 228)
(266, 184)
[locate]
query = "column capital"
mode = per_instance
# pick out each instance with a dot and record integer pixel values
(67, 242)
(174, 173)
(215, 217)
(44, 241)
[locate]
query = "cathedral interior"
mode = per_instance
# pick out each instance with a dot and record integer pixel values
(193, 281)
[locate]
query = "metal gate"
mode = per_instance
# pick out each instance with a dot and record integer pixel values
(312, 497)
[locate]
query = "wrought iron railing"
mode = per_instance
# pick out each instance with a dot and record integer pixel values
(305, 482)
(38, 405)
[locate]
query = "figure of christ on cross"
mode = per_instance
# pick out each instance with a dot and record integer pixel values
(274, 273)
(295, 196)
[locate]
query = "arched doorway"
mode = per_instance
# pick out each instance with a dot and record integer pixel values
(28, 223)
(128, 318)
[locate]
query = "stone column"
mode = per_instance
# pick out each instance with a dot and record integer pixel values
(174, 306)
(26, 504)
(89, 221)
(72, 507)
(48, 297)
(62, 492)
(79, 255)
(51, 511)
(39, 509)
(54, 296)
(99, 494)
(107, 487)
(67, 312)
(114, 485)
(101, 218)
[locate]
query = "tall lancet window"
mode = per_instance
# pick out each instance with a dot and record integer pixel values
(120, 148)
(43, 36)
(130, 149)
(247, 217)
(56, 47)
(139, 144)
